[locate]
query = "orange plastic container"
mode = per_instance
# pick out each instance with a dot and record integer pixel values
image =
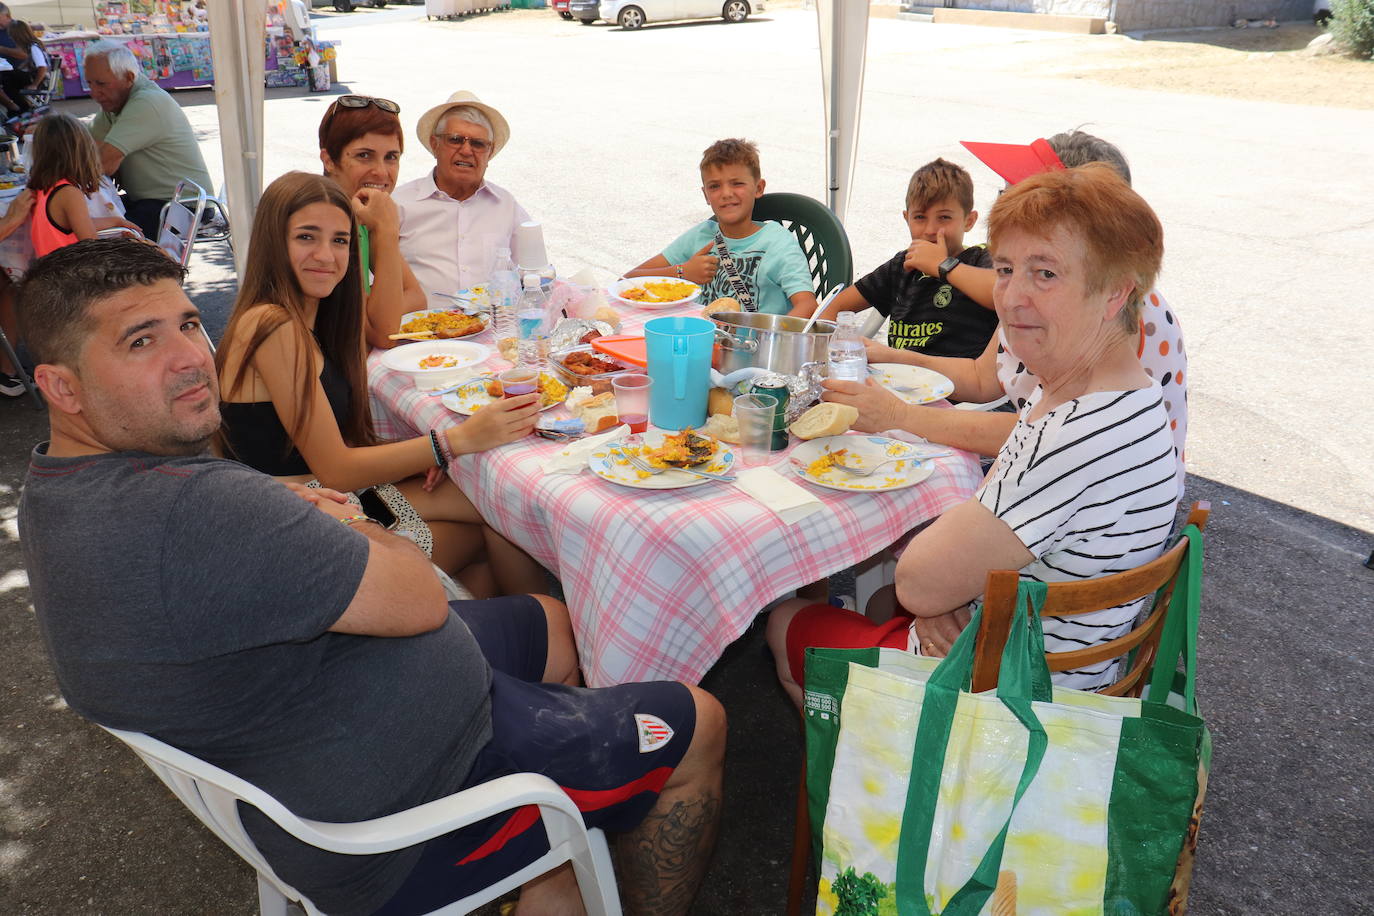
(625, 347)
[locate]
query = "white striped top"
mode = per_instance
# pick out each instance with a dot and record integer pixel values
(1090, 489)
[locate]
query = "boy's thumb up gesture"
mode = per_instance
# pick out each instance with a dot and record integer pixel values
(702, 266)
(926, 256)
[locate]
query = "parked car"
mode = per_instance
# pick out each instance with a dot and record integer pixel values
(632, 14)
(561, 8)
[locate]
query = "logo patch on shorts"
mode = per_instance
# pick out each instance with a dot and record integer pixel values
(653, 732)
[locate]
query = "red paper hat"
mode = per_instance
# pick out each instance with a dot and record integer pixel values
(1013, 161)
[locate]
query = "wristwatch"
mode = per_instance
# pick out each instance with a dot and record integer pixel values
(946, 266)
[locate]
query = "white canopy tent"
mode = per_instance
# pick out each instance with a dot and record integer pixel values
(844, 41)
(237, 33)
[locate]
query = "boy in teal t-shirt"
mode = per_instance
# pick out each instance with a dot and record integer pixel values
(768, 259)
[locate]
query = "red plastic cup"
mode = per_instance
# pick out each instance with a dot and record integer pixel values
(518, 381)
(632, 400)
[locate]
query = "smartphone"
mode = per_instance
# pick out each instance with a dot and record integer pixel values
(375, 508)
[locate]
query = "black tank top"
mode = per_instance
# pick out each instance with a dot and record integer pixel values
(256, 437)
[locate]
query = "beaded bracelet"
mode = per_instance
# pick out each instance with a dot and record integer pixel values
(434, 447)
(352, 520)
(446, 449)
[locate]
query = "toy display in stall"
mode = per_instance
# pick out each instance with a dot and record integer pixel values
(139, 17)
(170, 40)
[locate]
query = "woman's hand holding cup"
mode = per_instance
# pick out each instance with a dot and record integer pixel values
(497, 423)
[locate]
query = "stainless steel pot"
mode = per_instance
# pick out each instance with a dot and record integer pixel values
(773, 342)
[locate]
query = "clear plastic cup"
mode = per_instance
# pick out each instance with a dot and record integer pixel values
(632, 400)
(755, 415)
(518, 381)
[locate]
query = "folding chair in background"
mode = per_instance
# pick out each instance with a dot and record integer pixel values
(177, 227)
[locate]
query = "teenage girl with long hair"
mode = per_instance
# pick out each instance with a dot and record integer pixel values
(294, 385)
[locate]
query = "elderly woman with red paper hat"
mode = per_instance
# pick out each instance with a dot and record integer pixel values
(453, 220)
(999, 370)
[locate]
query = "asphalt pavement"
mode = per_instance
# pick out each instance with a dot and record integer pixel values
(1264, 267)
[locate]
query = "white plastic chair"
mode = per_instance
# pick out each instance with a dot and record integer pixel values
(212, 795)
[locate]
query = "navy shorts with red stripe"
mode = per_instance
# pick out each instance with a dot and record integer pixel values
(588, 741)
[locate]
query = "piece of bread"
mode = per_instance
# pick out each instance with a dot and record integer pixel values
(719, 401)
(722, 427)
(598, 413)
(609, 315)
(723, 304)
(825, 419)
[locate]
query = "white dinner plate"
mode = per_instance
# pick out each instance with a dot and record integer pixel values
(619, 287)
(472, 396)
(608, 464)
(462, 354)
(927, 384)
(480, 316)
(860, 451)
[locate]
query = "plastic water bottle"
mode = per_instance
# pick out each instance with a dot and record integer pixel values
(848, 361)
(505, 295)
(533, 326)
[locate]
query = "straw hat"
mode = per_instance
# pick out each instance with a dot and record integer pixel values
(500, 129)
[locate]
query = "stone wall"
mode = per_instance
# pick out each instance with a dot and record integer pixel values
(1136, 15)
(1132, 15)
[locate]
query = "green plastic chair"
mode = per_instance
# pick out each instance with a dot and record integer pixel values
(820, 233)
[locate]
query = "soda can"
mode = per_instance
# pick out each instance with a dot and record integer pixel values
(775, 386)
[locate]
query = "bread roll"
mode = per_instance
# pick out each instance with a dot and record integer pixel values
(825, 419)
(719, 401)
(723, 304)
(722, 427)
(598, 413)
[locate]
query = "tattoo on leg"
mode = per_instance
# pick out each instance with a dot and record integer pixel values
(662, 860)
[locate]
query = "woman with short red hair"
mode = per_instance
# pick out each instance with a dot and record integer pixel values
(1085, 485)
(360, 145)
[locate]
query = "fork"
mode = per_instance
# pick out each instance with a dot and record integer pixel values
(892, 386)
(868, 472)
(641, 464)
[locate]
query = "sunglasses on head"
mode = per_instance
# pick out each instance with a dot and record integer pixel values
(362, 101)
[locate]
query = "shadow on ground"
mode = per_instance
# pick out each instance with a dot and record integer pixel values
(1285, 667)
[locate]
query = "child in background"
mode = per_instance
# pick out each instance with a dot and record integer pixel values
(937, 293)
(66, 169)
(770, 264)
(37, 67)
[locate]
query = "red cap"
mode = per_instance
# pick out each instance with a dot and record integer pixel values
(1013, 161)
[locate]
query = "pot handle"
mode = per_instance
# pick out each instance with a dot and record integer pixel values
(730, 342)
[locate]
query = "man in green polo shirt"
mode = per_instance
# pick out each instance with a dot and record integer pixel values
(145, 141)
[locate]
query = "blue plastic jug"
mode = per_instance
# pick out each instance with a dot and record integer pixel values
(679, 351)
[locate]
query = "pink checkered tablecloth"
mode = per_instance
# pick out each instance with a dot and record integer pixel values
(659, 582)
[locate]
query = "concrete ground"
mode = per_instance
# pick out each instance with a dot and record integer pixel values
(1266, 267)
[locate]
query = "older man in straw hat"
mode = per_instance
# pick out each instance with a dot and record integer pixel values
(453, 219)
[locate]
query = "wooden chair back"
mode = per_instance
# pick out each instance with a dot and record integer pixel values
(1066, 599)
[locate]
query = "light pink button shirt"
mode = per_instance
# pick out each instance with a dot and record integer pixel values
(449, 244)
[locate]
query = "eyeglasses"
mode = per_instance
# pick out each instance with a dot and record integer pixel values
(456, 141)
(362, 101)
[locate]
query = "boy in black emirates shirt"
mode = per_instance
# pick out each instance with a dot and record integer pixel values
(937, 293)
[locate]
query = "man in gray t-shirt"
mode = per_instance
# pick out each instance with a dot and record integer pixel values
(234, 617)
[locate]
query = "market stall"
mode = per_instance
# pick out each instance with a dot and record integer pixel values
(171, 40)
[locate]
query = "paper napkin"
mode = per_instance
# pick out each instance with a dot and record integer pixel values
(572, 458)
(788, 501)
